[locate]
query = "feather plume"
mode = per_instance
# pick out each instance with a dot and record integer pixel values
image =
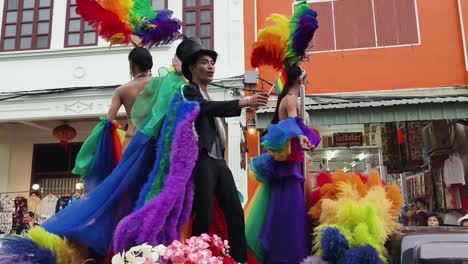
(373, 179)
(119, 7)
(270, 47)
(141, 9)
(303, 25)
(161, 30)
(106, 23)
(349, 214)
(394, 195)
(334, 244)
(24, 250)
(64, 252)
(363, 209)
(117, 21)
(323, 178)
(361, 255)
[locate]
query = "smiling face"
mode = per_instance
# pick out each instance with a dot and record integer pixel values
(203, 69)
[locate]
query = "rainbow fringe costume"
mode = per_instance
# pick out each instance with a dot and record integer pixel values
(277, 229)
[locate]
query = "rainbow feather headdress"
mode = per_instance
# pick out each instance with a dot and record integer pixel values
(285, 41)
(118, 20)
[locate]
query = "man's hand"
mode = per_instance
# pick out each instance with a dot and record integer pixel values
(259, 99)
(256, 100)
(305, 143)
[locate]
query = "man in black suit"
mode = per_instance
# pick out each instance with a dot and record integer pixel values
(212, 175)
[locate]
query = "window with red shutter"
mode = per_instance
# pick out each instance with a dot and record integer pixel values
(357, 24)
(198, 20)
(26, 25)
(77, 31)
(159, 4)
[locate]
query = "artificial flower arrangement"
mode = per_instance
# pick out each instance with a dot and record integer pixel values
(203, 249)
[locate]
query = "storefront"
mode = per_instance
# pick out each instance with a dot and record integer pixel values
(410, 140)
(347, 147)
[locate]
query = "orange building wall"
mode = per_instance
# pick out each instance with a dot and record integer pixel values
(438, 61)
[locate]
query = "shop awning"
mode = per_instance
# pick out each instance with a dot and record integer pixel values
(383, 107)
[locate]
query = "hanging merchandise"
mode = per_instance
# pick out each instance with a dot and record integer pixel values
(62, 202)
(6, 222)
(454, 172)
(21, 208)
(414, 144)
(34, 204)
(6, 215)
(452, 197)
(439, 189)
(8, 203)
(48, 206)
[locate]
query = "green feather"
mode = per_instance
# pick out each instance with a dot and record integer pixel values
(291, 57)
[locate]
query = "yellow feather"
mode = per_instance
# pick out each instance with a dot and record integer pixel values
(120, 7)
(64, 252)
(279, 27)
(373, 179)
(347, 191)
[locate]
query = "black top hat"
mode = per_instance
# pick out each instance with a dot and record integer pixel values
(189, 50)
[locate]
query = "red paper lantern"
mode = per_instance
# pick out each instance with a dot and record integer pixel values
(64, 133)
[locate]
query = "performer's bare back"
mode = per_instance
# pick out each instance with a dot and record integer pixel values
(126, 95)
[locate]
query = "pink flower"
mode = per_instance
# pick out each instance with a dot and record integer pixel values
(213, 260)
(177, 243)
(194, 257)
(187, 249)
(205, 237)
(178, 258)
(206, 253)
(170, 250)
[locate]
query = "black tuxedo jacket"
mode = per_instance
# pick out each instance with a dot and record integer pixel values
(205, 124)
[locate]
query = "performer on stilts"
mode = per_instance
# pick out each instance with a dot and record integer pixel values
(277, 228)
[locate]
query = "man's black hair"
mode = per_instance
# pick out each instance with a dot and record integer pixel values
(31, 214)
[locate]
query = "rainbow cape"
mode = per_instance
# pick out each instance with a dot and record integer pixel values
(100, 153)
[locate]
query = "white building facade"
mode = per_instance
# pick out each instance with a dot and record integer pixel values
(54, 70)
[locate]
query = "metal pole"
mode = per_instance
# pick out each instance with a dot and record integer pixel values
(303, 115)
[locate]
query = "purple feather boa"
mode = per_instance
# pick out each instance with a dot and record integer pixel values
(161, 220)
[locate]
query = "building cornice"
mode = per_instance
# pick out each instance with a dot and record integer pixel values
(70, 105)
(69, 52)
